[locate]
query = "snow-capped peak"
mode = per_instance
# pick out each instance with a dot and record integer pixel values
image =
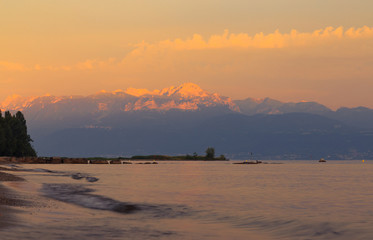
(185, 90)
(187, 96)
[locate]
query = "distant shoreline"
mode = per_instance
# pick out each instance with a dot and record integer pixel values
(65, 160)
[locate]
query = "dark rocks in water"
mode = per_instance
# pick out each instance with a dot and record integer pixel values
(77, 176)
(91, 179)
(247, 162)
(126, 208)
(40, 170)
(147, 163)
(13, 165)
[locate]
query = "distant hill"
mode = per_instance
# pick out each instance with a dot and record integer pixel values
(188, 119)
(361, 117)
(289, 136)
(251, 106)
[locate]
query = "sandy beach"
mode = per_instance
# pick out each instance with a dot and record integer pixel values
(8, 197)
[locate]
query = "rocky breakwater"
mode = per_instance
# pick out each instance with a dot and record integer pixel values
(42, 160)
(63, 160)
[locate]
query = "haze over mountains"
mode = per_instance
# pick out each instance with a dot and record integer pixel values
(187, 119)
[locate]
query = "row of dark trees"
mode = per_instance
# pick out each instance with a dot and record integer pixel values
(14, 139)
(210, 155)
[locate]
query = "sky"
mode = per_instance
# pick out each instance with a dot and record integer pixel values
(289, 50)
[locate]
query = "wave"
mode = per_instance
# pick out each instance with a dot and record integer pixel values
(291, 228)
(75, 176)
(82, 196)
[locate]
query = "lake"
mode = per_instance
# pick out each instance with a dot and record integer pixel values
(195, 200)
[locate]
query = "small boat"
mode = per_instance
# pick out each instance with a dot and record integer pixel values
(322, 160)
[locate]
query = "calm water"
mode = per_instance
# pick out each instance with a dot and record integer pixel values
(196, 200)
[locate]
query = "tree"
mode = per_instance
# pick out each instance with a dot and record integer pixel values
(14, 140)
(2, 136)
(210, 153)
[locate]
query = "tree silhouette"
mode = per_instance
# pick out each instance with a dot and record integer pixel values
(14, 139)
(210, 153)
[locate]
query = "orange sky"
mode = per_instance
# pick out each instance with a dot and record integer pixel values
(289, 50)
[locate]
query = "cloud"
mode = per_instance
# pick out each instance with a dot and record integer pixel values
(259, 40)
(147, 52)
(12, 66)
(89, 64)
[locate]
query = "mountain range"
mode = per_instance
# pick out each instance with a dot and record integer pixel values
(187, 119)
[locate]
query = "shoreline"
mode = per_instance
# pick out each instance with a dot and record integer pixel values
(63, 160)
(8, 198)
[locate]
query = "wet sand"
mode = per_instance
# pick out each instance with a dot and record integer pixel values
(8, 177)
(8, 197)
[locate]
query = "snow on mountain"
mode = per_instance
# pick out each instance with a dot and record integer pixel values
(19, 103)
(188, 96)
(186, 90)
